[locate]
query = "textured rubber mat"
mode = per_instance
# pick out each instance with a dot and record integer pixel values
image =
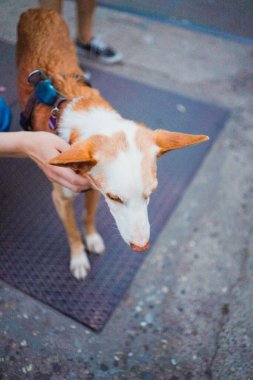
(233, 17)
(34, 255)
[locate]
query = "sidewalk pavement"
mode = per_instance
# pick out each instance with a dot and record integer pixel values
(188, 313)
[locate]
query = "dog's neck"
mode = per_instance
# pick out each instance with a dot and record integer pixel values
(87, 114)
(80, 98)
(83, 123)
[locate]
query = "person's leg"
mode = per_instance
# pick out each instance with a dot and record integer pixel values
(92, 47)
(85, 13)
(51, 4)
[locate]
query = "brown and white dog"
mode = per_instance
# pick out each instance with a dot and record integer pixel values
(117, 155)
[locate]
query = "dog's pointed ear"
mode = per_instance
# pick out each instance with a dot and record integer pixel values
(79, 157)
(166, 140)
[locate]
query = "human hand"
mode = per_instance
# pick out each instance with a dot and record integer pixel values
(41, 147)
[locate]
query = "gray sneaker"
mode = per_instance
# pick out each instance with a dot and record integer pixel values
(99, 51)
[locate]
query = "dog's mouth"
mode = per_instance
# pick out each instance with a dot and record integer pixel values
(137, 248)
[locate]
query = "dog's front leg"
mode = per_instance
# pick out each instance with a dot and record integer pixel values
(93, 239)
(79, 263)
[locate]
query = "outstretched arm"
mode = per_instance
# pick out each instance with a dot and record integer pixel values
(41, 147)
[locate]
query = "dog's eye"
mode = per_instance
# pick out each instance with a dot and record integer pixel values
(114, 198)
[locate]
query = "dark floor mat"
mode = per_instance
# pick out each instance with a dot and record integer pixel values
(233, 17)
(34, 255)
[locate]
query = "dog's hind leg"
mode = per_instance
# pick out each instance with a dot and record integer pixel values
(93, 239)
(79, 263)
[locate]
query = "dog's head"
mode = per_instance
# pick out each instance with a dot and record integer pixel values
(121, 164)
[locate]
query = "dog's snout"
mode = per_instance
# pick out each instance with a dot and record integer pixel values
(138, 248)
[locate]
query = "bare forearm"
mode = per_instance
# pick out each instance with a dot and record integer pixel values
(14, 144)
(41, 147)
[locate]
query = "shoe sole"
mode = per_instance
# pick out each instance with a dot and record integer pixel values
(108, 61)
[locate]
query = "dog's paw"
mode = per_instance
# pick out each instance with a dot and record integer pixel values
(79, 266)
(95, 243)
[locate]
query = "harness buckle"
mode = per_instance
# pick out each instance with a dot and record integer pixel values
(52, 122)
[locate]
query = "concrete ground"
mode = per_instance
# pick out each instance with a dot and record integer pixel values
(220, 16)
(188, 313)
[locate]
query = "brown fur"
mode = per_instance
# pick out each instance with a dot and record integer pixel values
(64, 207)
(144, 140)
(44, 43)
(167, 141)
(90, 99)
(74, 136)
(81, 151)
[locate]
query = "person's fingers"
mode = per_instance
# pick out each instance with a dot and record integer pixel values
(61, 145)
(52, 145)
(67, 178)
(66, 184)
(70, 176)
(63, 182)
(74, 188)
